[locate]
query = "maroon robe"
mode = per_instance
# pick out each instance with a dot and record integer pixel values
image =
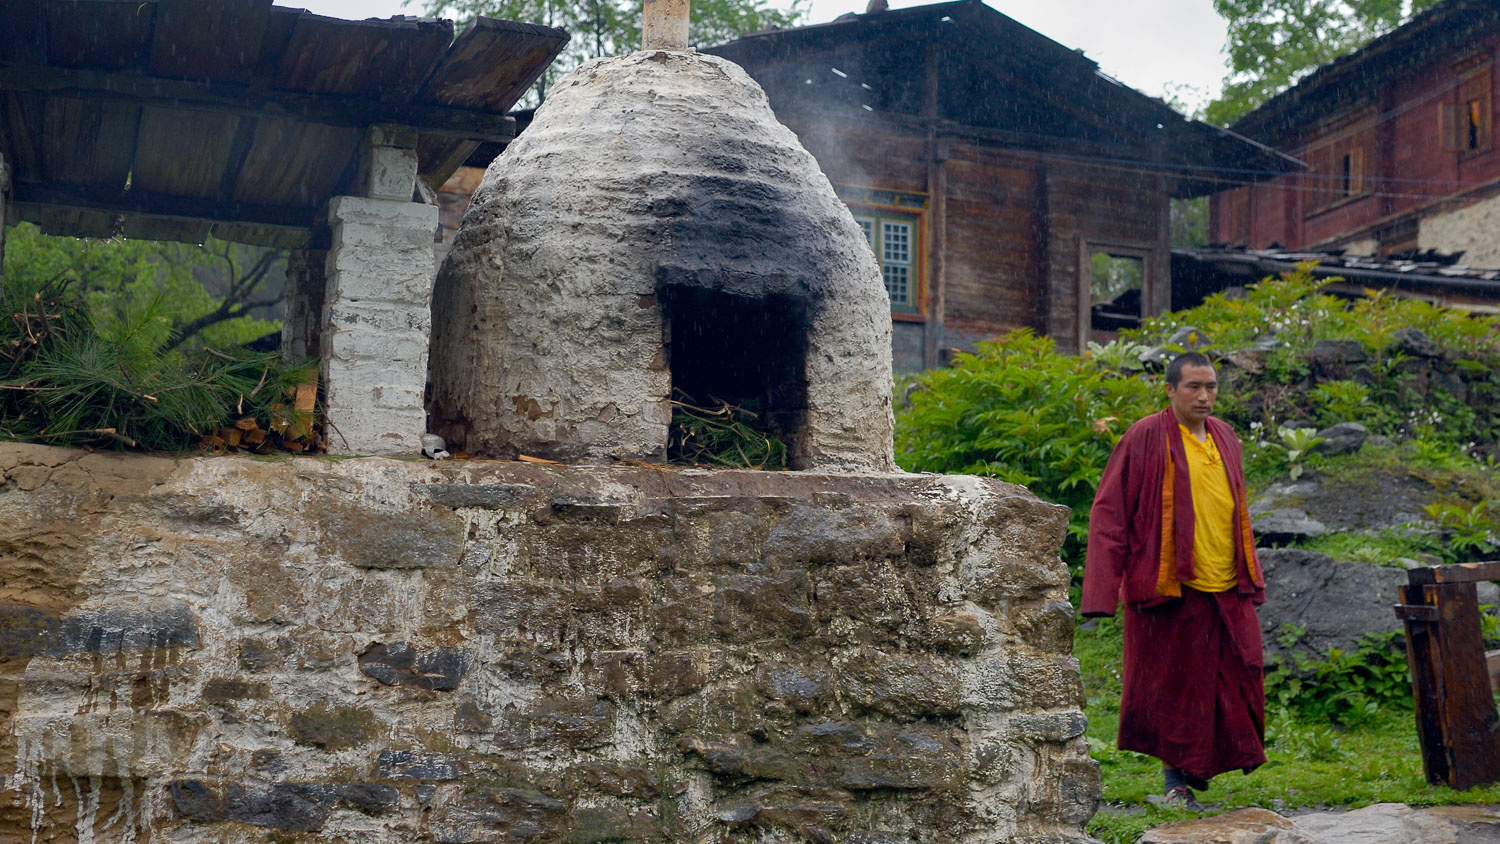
(1193, 694)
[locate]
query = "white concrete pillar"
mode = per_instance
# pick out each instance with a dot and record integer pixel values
(377, 304)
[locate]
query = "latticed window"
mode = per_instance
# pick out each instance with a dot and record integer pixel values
(893, 240)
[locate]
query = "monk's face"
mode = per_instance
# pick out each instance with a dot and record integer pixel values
(1194, 394)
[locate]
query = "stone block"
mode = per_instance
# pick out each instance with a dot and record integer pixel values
(402, 664)
(801, 689)
(1021, 681)
(299, 807)
(595, 824)
(617, 779)
(481, 496)
(231, 689)
(488, 814)
(1047, 626)
(388, 172)
(903, 686)
(425, 539)
(332, 727)
(526, 609)
(960, 632)
(827, 534)
(351, 317)
(559, 723)
(748, 609)
(420, 765)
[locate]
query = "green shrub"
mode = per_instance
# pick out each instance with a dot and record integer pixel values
(76, 370)
(1020, 411)
(1343, 687)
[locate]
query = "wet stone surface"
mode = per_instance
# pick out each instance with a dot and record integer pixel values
(565, 654)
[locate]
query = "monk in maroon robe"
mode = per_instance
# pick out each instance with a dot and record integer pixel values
(1193, 694)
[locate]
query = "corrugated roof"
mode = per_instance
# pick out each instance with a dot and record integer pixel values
(1422, 271)
(182, 116)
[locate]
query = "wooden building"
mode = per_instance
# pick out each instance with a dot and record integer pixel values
(1399, 140)
(1003, 181)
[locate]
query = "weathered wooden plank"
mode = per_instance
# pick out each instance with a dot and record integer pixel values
(255, 101)
(116, 203)
(294, 163)
(99, 34)
(219, 40)
(69, 222)
(21, 122)
(278, 238)
(1424, 659)
(1456, 573)
(155, 228)
(361, 58)
(184, 153)
(1470, 721)
(21, 39)
(88, 142)
(492, 63)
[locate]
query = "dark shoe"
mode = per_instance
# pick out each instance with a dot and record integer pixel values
(1179, 799)
(1196, 783)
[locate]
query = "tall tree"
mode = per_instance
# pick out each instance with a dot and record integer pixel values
(1273, 43)
(612, 27)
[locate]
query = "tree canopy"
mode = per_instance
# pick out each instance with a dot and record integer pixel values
(1274, 43)
(612, 27)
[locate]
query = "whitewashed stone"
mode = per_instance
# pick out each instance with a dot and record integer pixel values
(644, 177)
(375, 319)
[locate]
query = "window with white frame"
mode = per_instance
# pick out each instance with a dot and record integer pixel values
(894, 240)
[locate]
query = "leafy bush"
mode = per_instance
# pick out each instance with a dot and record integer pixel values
(1344, 687)
(1020, 411)
(78, 369)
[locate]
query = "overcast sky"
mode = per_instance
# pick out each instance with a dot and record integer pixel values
(1147, 44)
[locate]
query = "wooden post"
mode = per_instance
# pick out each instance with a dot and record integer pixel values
(664, 25)
(1457, 724)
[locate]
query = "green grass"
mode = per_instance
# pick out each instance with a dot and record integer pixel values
(1308, 764)
(1382, 548)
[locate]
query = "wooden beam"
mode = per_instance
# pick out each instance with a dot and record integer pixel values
(29, 196)
(1458, 573)
(259, 100)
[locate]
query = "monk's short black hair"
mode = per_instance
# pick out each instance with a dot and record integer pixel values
(1174, 369)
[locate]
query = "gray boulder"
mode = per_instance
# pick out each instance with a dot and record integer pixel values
(1414, 342)
(1343, 438)
(1286, 525)
(1334, 602)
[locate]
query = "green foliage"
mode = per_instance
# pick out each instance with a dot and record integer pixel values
(1297, 442)
(1020, 411)
(1273, 43)
(613, 27)
(726, 435)
(1344, 688)
(1469, 533)
(117, 275)
(1391, 393)
(1339, 401)
(91, 354)
(1311, 762)
(1382, 548)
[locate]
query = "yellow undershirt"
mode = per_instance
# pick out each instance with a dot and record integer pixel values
(1213, 516)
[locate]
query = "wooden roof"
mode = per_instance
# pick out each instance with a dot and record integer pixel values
(174, 118)
(1446, 30)
(993, 78)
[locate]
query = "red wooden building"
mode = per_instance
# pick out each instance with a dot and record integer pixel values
(1002, 180)
(1398, 137)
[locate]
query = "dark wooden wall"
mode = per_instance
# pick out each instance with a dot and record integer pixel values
(1005, 229)
(1410, 170)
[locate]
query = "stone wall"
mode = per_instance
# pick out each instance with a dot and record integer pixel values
(374, 650)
